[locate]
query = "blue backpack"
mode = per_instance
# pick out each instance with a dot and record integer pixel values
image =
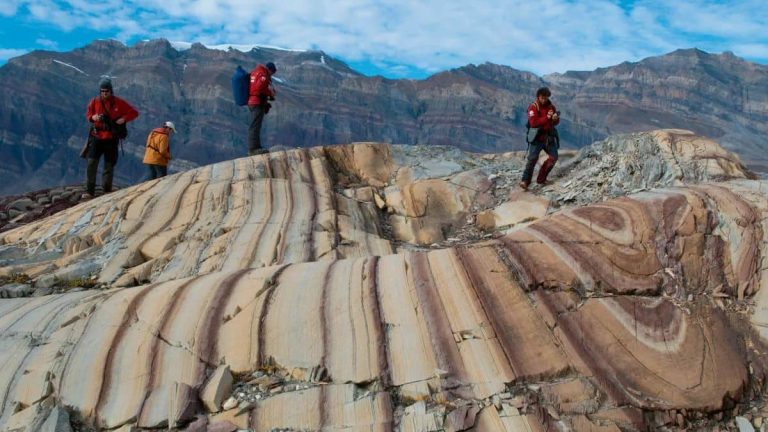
(241, 85)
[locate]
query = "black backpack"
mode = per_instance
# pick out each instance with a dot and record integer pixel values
(119, 131)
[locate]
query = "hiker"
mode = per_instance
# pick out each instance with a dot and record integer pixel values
(543, 117)
(158, 151)
(107, 113)
(261, 92)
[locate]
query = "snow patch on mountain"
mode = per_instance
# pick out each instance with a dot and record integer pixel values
(70, 66)
(183, 46)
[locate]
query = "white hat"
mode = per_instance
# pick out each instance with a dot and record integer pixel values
(170, 126)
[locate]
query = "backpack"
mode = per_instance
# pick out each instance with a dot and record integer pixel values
(530, 133)
(241, 86)
(119, 131)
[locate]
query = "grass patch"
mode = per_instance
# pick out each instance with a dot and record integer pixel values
(18, 278)
(86, 283)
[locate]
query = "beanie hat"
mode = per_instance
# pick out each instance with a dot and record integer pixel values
(105, 83)
(271, 67)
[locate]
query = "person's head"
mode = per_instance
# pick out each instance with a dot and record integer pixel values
(105, 87)
(271, 68)
(543, 94)
(169, 127)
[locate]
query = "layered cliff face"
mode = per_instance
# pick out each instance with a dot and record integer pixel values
(321, 101)
(379, 287)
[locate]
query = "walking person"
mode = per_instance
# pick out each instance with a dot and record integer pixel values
(542, 117)
(108, 115)
(260, 93)
(157, 153)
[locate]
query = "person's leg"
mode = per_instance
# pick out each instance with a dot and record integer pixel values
(532, 157)
(110, 160)
(545, 169)
(254, 130)
(90, 178)
(150, 173)
(94, 154)
(162, 171)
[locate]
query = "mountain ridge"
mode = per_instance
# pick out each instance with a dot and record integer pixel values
(323, 101)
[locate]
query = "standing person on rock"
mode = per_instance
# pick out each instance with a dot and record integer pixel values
(157, 153)
(106, 112)
(542, 116)
(261, 92)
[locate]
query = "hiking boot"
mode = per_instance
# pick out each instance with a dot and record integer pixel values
(86, 196)
(524, 185)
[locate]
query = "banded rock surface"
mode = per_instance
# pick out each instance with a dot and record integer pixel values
(639, 312)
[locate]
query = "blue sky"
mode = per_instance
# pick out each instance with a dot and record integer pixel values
(406, 38)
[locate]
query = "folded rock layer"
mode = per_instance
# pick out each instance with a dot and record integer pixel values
(633, 313)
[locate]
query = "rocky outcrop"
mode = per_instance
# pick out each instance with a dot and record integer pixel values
(295, 271)
(18, 210)
(321, 101)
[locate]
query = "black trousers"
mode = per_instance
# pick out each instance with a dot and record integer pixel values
(534, 149)
(254, 130)
(108, 149)
(155, 171)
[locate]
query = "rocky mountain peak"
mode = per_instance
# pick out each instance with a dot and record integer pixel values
(480, 108)
(398, 288)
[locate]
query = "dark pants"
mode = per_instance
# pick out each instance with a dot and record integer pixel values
(156, 171)
(108, 149)
(254, 130)
(534, 148)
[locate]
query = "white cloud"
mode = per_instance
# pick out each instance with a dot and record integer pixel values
(47, 43)
(9, 7)
(6, 53)
(431, 35)
(752, 50)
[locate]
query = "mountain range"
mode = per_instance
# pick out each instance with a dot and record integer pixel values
(322, 101)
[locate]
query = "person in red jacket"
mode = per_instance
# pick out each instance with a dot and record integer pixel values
(261, 92)
(542, 115)
(104, 111)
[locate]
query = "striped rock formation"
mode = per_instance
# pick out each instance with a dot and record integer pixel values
(313, 290)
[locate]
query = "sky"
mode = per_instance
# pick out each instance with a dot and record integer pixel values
(406, 38)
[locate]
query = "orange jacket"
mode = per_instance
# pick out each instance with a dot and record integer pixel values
(158, 151)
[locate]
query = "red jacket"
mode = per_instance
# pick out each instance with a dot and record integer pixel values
(537, 118)
(116, 108)
(261, 85)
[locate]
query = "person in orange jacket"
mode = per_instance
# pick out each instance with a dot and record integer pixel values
(104, 112)
(260, 93)
(158, 151)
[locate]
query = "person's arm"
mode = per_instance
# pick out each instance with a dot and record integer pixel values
(555, 117)
(127, 112)
(163, 147)
(262, 86)
(90, 112)
(536, 118)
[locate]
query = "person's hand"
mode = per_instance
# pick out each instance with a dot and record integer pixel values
(96, 117)
(554, 116)
(120, 120)
(550, 114)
